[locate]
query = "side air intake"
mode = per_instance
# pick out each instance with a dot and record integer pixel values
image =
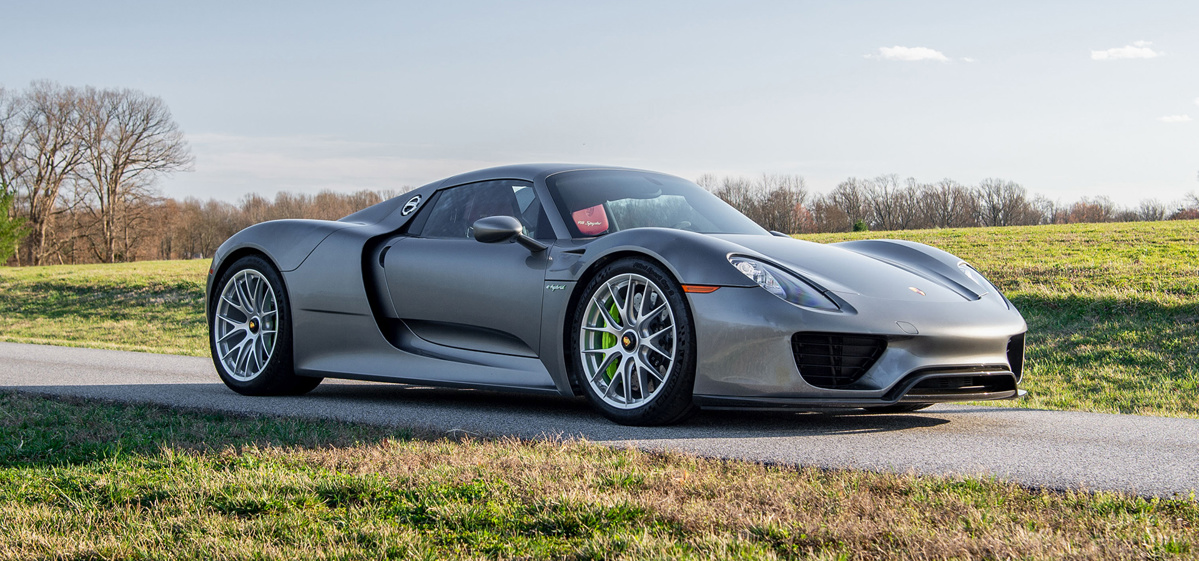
(1015, 355)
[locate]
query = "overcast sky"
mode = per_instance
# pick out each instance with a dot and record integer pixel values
(1069, 99)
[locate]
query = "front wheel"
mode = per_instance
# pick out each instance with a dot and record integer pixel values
(632, 344)
(250, 332)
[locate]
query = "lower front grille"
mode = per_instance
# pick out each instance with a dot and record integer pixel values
(962, 384)
(950, 387)
(834, 360)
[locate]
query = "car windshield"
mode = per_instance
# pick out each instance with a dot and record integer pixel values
(598, 202)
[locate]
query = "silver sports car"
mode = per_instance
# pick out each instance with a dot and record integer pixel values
(639, 290)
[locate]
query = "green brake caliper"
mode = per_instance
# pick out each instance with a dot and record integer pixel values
(609, 341)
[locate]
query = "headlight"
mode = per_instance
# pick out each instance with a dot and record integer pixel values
(783, 284)
(989, 289)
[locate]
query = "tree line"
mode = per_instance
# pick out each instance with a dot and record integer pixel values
(79, 169)
(783, 203)
(167, 228)
(191, 228)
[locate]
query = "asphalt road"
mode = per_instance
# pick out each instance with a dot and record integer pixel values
(1059, 450)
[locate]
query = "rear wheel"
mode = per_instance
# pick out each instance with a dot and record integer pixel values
(632, 345)
(250, 332)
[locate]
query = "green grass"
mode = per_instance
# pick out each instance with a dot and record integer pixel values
(150, 306)
(1112, 309)
(102, 481)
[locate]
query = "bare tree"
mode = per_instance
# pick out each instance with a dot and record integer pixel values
(255, 208)
(907, 205)
(736, 191)
(1098, 209)
(775, 201)
(826, 217)
(708, 181)
(203, 226)
(12, 227)
(882, 202)
(129, 139)
(850, 199)
(46, 159)
(947, 204)
(12, 136)
(1151, 210)
(780, 202)
(1004, 203)
(1051, 211)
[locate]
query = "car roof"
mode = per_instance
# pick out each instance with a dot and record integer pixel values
(528, 172)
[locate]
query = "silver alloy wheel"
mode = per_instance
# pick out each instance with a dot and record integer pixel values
(246, 325)
(627, 341)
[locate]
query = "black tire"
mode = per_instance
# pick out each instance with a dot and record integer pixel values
(276, 375)
(670, 399)
(898, 408)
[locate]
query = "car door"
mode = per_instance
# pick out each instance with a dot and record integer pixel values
(455, 291)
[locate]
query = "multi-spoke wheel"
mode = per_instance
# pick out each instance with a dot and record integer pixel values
(246, 327)
(249, 329)
(632, 344)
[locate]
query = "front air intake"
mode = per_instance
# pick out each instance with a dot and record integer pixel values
(833, 360)
(1015, 355)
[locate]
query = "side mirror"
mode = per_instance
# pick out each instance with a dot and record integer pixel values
(496, 229)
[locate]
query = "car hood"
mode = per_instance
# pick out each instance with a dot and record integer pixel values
(848, 272)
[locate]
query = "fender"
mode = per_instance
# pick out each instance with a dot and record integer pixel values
(287, 242)
(689, 256)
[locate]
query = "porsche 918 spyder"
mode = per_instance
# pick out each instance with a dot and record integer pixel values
(639, 290)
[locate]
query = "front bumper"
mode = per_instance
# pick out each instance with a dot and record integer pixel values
(935, 351)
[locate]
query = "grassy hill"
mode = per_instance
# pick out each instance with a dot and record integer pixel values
(150, 306)
(1113, 309)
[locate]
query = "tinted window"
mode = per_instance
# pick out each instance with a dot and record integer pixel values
(598, 202)
(457, 209)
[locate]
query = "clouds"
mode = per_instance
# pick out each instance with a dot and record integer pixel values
(1179, 118)
(909, 54)
(1139, 49)
(1175, 119)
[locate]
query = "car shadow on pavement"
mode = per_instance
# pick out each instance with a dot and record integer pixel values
(489, 413)
(529, 415)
